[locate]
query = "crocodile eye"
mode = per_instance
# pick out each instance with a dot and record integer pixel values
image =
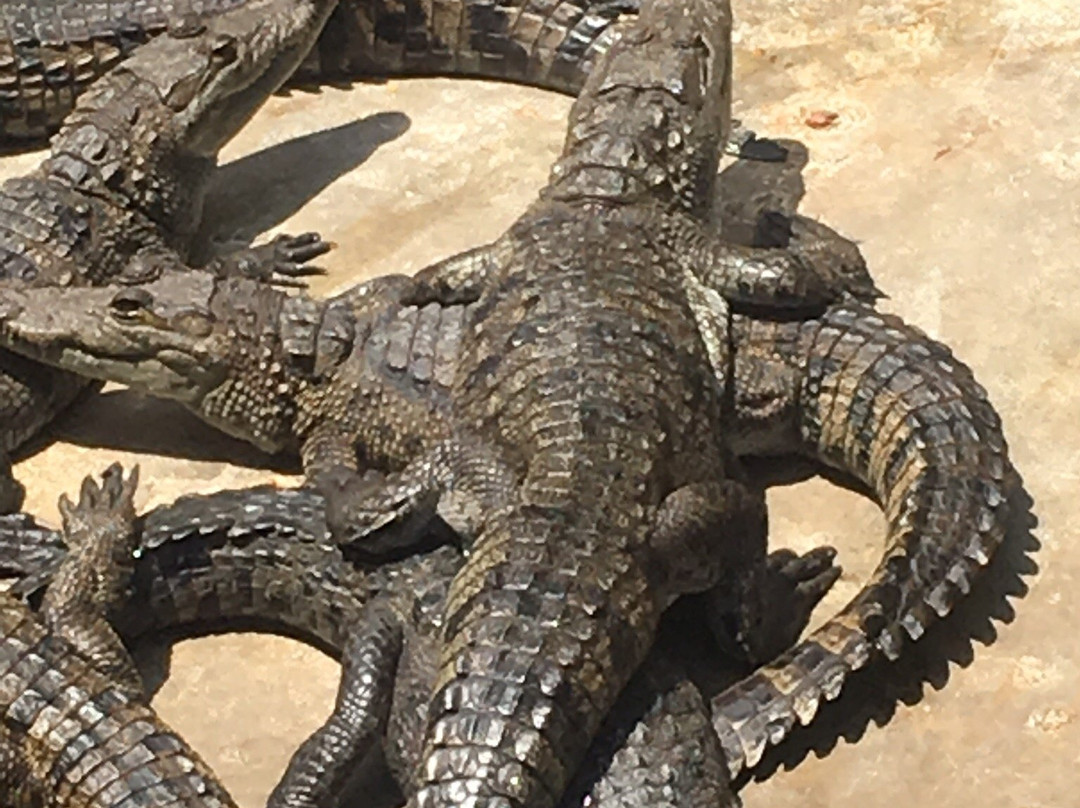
(223, 50)
(129, 304)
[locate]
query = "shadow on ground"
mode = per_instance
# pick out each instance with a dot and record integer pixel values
(122, 420)
(257, 192)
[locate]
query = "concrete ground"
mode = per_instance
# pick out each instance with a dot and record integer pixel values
(954, 157)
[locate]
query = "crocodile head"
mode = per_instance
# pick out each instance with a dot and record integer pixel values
(210, 343)
(654, 114)
(213, 76)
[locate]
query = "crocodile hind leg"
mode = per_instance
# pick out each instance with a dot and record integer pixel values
(758, 616)
(325, 762)
(669, 756)
(100, 532)
(757, 604)
(459, 480)
(657, 748)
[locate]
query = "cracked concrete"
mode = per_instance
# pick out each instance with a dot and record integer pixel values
(953, 158)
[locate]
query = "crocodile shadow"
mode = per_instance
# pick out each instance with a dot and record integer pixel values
(282, 178)
(124, 420)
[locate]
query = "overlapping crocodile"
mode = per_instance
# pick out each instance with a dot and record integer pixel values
(52, 50)
(263, 557)
(600, 196)
(121, 192)
(790, 376)
(858, 390)
(76, 729)
(581, 459)
(854, 388)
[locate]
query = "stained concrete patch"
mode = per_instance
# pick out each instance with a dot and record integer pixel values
(952, 158)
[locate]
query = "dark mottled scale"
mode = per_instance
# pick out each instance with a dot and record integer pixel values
(882, 401)
(669, 759)
(52, 50)
(91, 741)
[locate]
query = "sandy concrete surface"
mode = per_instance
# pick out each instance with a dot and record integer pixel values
(953, 157)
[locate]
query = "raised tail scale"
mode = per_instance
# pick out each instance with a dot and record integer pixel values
(881, 401)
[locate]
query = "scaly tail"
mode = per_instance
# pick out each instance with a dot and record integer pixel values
(549, 45)
(883, 402)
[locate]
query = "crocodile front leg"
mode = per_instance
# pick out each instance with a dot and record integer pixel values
(460, 278)
(284, 261)
(818, 267)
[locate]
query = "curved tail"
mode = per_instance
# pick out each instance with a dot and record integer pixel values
(883, 402)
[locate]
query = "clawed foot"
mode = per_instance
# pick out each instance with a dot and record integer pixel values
(281, 262)
(838, 260)
(108, 509)
(794, 585)
(370, 515)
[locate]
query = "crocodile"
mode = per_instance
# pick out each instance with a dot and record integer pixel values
(855, 389)
(930, 430)
(580, 459)
(76, 728)
(262, 558)
(54, 49)
(51, 51)
(120, 194)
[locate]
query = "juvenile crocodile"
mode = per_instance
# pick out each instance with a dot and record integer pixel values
(52, 50)
(263, 558)
(74, 732)
(121, 192)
